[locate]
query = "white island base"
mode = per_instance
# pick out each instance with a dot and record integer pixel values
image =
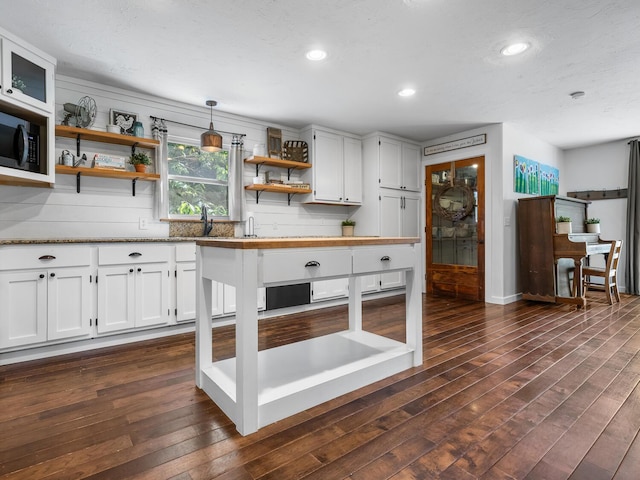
(258, 388)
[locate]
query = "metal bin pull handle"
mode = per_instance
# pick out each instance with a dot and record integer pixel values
(135, 254)
(312, 263)
(47, 257)
(386, 258)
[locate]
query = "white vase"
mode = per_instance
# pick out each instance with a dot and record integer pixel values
(563, 227)
(593, 228)
(347, 230)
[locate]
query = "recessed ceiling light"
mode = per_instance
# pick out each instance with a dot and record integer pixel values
(407, 92)
(316, 55)
(514, 49)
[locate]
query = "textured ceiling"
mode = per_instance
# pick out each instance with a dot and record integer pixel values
(249, 56)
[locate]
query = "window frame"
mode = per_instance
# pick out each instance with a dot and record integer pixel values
(204, 180)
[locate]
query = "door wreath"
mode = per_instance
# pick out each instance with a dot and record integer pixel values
(451, 213)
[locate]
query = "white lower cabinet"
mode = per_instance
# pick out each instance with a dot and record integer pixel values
(186, 293)
(324, 289)
(133, 287)
(229, 299)
(49, 299)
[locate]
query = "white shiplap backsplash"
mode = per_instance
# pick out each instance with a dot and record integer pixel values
(105, 207)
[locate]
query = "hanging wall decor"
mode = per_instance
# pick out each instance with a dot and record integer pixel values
(274, 142)
(534, 178)
(525, 175)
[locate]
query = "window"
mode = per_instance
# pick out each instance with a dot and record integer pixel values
(197, 178)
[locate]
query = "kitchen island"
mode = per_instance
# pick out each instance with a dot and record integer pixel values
(257, 388)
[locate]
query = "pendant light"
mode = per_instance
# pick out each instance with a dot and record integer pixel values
(211, 141)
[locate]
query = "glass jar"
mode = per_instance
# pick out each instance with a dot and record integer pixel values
(138, 129)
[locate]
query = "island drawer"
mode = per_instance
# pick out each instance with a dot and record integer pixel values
(44, 256)
(383, 257)
(305, 264)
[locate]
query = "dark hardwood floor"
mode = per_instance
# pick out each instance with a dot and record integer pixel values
(526, 391)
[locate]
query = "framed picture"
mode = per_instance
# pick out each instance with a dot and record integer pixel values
(123, 119)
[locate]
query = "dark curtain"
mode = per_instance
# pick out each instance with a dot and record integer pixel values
(632, 237)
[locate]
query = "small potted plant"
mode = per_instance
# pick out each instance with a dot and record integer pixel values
(593, 225)
(563, 224)
(347, 228)
(140, 160)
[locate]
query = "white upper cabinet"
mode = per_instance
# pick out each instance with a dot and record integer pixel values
(352, 170)
(336, 176)
(399, 163)
(27, 103)
(27, 76)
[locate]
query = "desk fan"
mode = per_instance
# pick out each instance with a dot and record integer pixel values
(84, 112)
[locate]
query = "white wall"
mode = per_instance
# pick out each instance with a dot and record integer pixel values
(517, 142)
(492, 151)
(105, 208)
(602, 167)
(501, 247)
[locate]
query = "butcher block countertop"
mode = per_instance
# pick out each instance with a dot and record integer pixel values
(302, 242)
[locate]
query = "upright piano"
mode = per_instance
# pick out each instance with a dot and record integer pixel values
(549, 261)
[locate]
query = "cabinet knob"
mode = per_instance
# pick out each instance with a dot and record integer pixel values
(139, 269)
(9, 90)
(42, 275)
(131, 270)
(52, 274)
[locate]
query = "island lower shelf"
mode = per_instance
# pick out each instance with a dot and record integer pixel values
(298, 376)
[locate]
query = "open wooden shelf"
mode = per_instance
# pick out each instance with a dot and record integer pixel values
(105, 137)
(276, 162)
(276, 188)
(106, 173)
(289, 190)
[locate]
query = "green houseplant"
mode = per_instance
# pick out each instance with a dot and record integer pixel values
(347, 227)
(140, 160)
(563, 224)
(593, 225)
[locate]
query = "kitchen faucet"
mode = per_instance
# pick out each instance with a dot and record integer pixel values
(208, 225)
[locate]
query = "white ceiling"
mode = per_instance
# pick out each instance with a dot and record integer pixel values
(249, 56)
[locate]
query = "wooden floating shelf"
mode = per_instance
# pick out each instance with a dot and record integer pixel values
(106, 173)
(276, 162)
(105, 137)
(290, 191)
(276, 189)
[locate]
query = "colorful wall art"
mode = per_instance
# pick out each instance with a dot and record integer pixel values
(549, 178)
(534, 178)
(525, 175)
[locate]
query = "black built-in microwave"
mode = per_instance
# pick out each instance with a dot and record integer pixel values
(20, 141)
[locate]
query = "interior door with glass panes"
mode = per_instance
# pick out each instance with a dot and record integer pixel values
(455, 228)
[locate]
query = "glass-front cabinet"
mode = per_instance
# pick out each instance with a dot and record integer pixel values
(454, 216)
(27, 77)
(455, 220)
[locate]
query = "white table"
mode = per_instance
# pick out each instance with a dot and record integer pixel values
(258, 388)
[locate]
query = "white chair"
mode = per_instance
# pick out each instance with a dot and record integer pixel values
(609, 274)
